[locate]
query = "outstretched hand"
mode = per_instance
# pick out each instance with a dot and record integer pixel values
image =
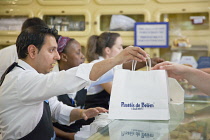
(131, 53)
(174, 70)
(92, 112)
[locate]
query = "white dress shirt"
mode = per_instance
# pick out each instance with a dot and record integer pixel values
(95, 87)
(8, 55)
(59, 111)
(23, 92)
(71, 95)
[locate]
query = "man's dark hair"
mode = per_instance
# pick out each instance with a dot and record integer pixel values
(34, 35)
(33, 22)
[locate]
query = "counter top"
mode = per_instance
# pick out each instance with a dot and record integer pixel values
(187, 121)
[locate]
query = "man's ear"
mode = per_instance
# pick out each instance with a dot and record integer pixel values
(107, 50)
(63, 57)
(32, 51)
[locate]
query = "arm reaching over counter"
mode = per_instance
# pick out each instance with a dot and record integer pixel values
(196, 77)
(128, 54)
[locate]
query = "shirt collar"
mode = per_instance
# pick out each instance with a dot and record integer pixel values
(25, 65)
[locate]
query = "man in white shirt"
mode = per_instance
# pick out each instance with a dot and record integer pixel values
(8, 56)
(23, 111)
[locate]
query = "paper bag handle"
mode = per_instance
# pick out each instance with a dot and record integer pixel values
(148, 64)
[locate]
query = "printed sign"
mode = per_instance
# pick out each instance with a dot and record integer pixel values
(151, 35)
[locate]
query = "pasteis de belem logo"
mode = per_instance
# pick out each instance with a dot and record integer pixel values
(137, 106)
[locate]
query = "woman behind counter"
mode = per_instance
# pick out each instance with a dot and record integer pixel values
(71, 56)
(104, 46)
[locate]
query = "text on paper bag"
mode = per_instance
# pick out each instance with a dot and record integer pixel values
(137, 106)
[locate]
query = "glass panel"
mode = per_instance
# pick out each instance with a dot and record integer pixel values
(187, 122)
(185, 21)
(196, 51)
(66, 23)
(106, 20)
(11, 23)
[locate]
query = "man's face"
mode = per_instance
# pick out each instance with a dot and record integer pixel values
(47, 57)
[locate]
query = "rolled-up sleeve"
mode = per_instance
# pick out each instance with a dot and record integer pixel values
(60, 112)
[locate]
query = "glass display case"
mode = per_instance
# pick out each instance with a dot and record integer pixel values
(120, 20)
(186, 21)
(66, 23)
(107, 22)
(82, 18)
(71, 23)
(196, 51)
(11, 21)
(188, 121)
(188, 31)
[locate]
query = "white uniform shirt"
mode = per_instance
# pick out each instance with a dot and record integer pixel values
(71, 95)
(8, 55)
(23, 92)
(95, 87)
(59, 111)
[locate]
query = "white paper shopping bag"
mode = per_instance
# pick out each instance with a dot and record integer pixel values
(139, 95)
(176, 92)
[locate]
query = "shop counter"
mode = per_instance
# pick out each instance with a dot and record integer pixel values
(190, 120)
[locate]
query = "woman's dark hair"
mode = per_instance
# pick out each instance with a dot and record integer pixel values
(34, 35)
(96, 44)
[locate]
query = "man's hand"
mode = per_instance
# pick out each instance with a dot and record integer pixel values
(131, 53)
(128, 54)
(92, 112)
